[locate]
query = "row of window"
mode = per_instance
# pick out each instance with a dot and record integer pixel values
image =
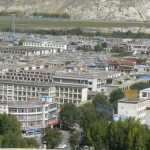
(30, 110)
(46, 45)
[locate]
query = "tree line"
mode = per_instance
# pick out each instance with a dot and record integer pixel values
(78, 31)
(53, 15)
(100, 131)
(10, 134)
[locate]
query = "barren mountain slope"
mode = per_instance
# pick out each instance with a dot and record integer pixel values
(85, 9)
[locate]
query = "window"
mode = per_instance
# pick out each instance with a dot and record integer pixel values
(22, 110)
(75, 90)
(79, 96)
(39, 109)
(79, 91)
(12, 110)
(90, 89)
(144, 94)
(46, 108)
(32, 110)
(90, 83)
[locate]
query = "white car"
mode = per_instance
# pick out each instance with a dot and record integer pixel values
(61, 146)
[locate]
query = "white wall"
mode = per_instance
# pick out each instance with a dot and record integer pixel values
(84, 94)
(147, 117)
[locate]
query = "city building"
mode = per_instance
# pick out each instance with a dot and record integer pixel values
(142, 69)
(46, 44)
(144, 94)
(31, 114)
(133, 108)
(71, 93)
(30, 51)
(94, 82)
(138, 47)
(25, 91)
(126, 66)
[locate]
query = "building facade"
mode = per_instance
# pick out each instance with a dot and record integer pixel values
(93, 82)
(145, 93)
(45, 44)
(24, 91)
(31, 114)
(133, 108)
(71, 94)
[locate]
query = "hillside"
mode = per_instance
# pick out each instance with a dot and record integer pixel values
(85, 9)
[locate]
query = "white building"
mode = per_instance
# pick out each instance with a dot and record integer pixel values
(71, 93)
(144, 94)
(25, 91)
(141, 69)
(147, 116)
(133, 108)
(31, 114)
(94, 82)
(138, 47)
(45, 44)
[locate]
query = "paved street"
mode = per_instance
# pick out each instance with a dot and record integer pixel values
(65, 135)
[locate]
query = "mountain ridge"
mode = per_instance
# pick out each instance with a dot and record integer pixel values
(135, 10)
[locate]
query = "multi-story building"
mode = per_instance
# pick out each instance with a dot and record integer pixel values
(133, 108)
(94, 82)
(25, 91)
(46, 44)
(71, 93)
(142, 69)
(32, 114)
(30, 51)
(28, 75)
(126, 66)
(138, 47)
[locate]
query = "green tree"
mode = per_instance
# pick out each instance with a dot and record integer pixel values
(69, 113)
(140, 86)
(52, 137)
(9, 123)
(74, 140)
(10, 134)
(32, 143)
(87, 116)
(1, 140)
(104, 45)
(28, 143)
(116, 49)
(116, 95)
(11, 140)
(97, 134)
(98, 48)
(22, 40)
(127, 135)
(100, 99)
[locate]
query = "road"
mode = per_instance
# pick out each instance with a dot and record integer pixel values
(65, 135)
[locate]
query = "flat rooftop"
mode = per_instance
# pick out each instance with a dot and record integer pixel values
(145, 90)
(27, 104)
(25, 83)
(133, 101)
